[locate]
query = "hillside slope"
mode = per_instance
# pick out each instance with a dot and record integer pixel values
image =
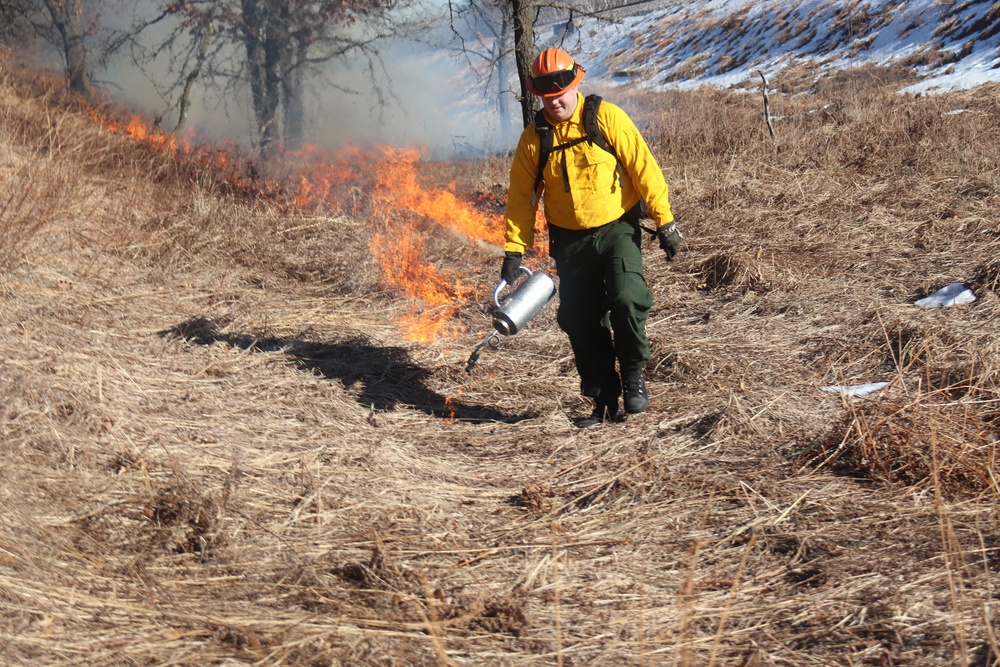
(727, 42)
(219, 446)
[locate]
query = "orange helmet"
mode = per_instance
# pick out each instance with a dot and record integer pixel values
(552, 73)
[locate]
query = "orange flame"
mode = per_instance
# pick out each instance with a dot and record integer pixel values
(325, 179)
(320, 178)
(433, 302)
(219, 157)
(397, 185)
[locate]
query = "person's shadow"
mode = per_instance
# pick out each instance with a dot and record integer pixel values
(389, 377)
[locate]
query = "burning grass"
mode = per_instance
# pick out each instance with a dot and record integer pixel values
(220, 443)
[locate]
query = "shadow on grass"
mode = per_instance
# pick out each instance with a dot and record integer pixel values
(389, 377)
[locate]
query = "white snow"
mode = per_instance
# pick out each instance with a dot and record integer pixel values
(856, 390)
(956, 294)
(769, 35)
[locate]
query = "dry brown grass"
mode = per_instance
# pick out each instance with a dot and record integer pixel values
(216, 448)
(928, 442)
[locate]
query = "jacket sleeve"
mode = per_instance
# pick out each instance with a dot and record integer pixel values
(521, 211)
(638, 162)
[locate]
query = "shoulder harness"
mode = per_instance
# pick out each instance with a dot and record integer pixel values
(593, 135)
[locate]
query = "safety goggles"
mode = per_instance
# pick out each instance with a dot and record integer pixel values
(554, 82)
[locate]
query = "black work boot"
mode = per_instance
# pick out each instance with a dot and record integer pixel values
(606, 410)
(636, 398)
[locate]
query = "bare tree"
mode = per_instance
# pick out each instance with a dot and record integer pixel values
(15, 29)
(514, 38)
(60, 23)
(202, 32)
(274, 47)
(67, 17)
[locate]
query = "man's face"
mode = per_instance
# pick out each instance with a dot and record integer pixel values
(562, 107)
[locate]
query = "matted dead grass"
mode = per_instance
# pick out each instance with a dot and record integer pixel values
(217, 448)
(927, 443)
(989, 275)
(741, 271)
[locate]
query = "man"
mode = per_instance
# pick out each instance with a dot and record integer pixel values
(593, 199)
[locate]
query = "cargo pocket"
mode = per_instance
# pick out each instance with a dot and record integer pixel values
(626, 285)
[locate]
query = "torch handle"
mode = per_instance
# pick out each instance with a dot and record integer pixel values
(503, 283)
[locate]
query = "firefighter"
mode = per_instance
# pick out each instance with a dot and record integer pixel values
(595, 190)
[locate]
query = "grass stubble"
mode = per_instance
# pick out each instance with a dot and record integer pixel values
(218, 449)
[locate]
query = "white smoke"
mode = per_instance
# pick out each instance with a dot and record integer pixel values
(409, 94)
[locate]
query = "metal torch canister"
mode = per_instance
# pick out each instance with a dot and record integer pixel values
(511, 314)
(523, 302)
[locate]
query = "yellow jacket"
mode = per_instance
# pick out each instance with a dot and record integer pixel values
(597, 196)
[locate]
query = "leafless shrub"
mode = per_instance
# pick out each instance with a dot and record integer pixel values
(34, 196)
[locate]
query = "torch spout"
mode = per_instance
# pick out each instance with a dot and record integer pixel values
(493, 340)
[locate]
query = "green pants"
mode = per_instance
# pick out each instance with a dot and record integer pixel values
(603, 302)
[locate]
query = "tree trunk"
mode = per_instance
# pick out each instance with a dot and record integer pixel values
(265, 46)
(503, 101)
(204, 38)
(292, 100)
(66, 17)
(524, 53)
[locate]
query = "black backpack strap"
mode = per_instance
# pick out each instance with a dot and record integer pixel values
(562, 152)
(544, 150)
(591, 105)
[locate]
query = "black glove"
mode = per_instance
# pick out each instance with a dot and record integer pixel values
(511, 268)
(670, 239)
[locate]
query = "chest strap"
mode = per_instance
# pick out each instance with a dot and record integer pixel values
(591, 104)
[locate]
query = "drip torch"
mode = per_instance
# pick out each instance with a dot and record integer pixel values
(511, 314)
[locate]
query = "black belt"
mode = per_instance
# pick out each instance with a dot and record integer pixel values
(631, 216)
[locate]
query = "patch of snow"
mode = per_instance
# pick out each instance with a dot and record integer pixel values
(725, 43)
(956, 294)
(858, 390)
